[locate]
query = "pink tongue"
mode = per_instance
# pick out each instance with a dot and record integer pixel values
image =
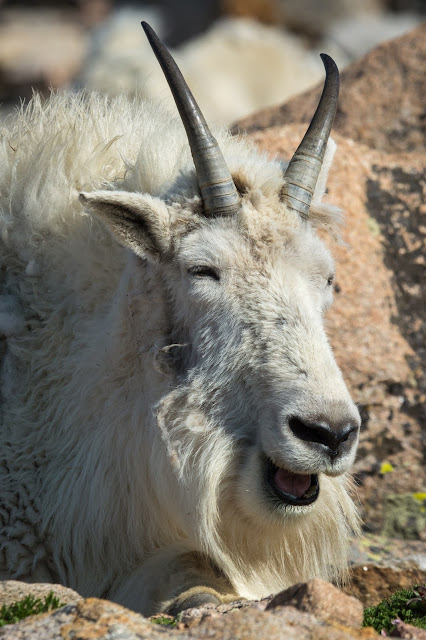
(295, 484)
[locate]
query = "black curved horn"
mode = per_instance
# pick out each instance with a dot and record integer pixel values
(303, 170)
(220, 196)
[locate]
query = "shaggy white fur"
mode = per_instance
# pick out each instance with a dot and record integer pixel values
(140, 394)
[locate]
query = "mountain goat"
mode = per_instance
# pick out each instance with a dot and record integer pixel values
(175, 429)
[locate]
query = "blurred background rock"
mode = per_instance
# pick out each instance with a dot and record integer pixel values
(254, 53)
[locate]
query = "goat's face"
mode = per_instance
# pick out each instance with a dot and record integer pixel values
(248, 282)
(246, 297)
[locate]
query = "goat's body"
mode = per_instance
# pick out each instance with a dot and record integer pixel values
(97, 446)
(73, 308)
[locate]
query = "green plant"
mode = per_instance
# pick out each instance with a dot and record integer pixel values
(28, 606)
(408, 605)
(164, 620)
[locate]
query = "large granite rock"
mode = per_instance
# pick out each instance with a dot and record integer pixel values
(315, 610)
(104, 620)
(323, 600)
(377, 325)
(39, 49)
(13, 590)
(371, 584)
(381, 99)
(407, 631)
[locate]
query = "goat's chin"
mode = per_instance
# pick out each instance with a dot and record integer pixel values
(270, 492)
(267, 495)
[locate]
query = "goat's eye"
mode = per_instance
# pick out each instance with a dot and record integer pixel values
(330, 280)
(203, 271)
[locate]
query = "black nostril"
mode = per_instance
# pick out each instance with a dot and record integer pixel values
(323, 434)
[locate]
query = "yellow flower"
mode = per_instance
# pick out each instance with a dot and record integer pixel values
(420, 496)
(386, 468)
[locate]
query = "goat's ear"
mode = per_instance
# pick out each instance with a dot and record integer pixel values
(139, 221)
(322, 178)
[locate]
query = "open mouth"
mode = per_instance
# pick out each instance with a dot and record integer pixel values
(292, 488)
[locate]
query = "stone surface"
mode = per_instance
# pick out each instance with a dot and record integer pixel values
(323, 600)
(90, 618)
(405, 516)
(39, 49)
(371, 584)
(394, 553)
(13, 591)
(104, 620)
(284, 623)
(348, 39)
(314, 18)
(407, 631)
(381, 100)
(193, 617)
(310, 17)
(313, 610)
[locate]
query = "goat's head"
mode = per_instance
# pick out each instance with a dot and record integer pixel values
(247, 281)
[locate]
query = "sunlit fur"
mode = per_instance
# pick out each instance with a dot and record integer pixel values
(118, 456)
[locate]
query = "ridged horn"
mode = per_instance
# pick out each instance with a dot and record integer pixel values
(218, 191)
(302, 173)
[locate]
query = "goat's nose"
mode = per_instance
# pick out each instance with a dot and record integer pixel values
(336, 439)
